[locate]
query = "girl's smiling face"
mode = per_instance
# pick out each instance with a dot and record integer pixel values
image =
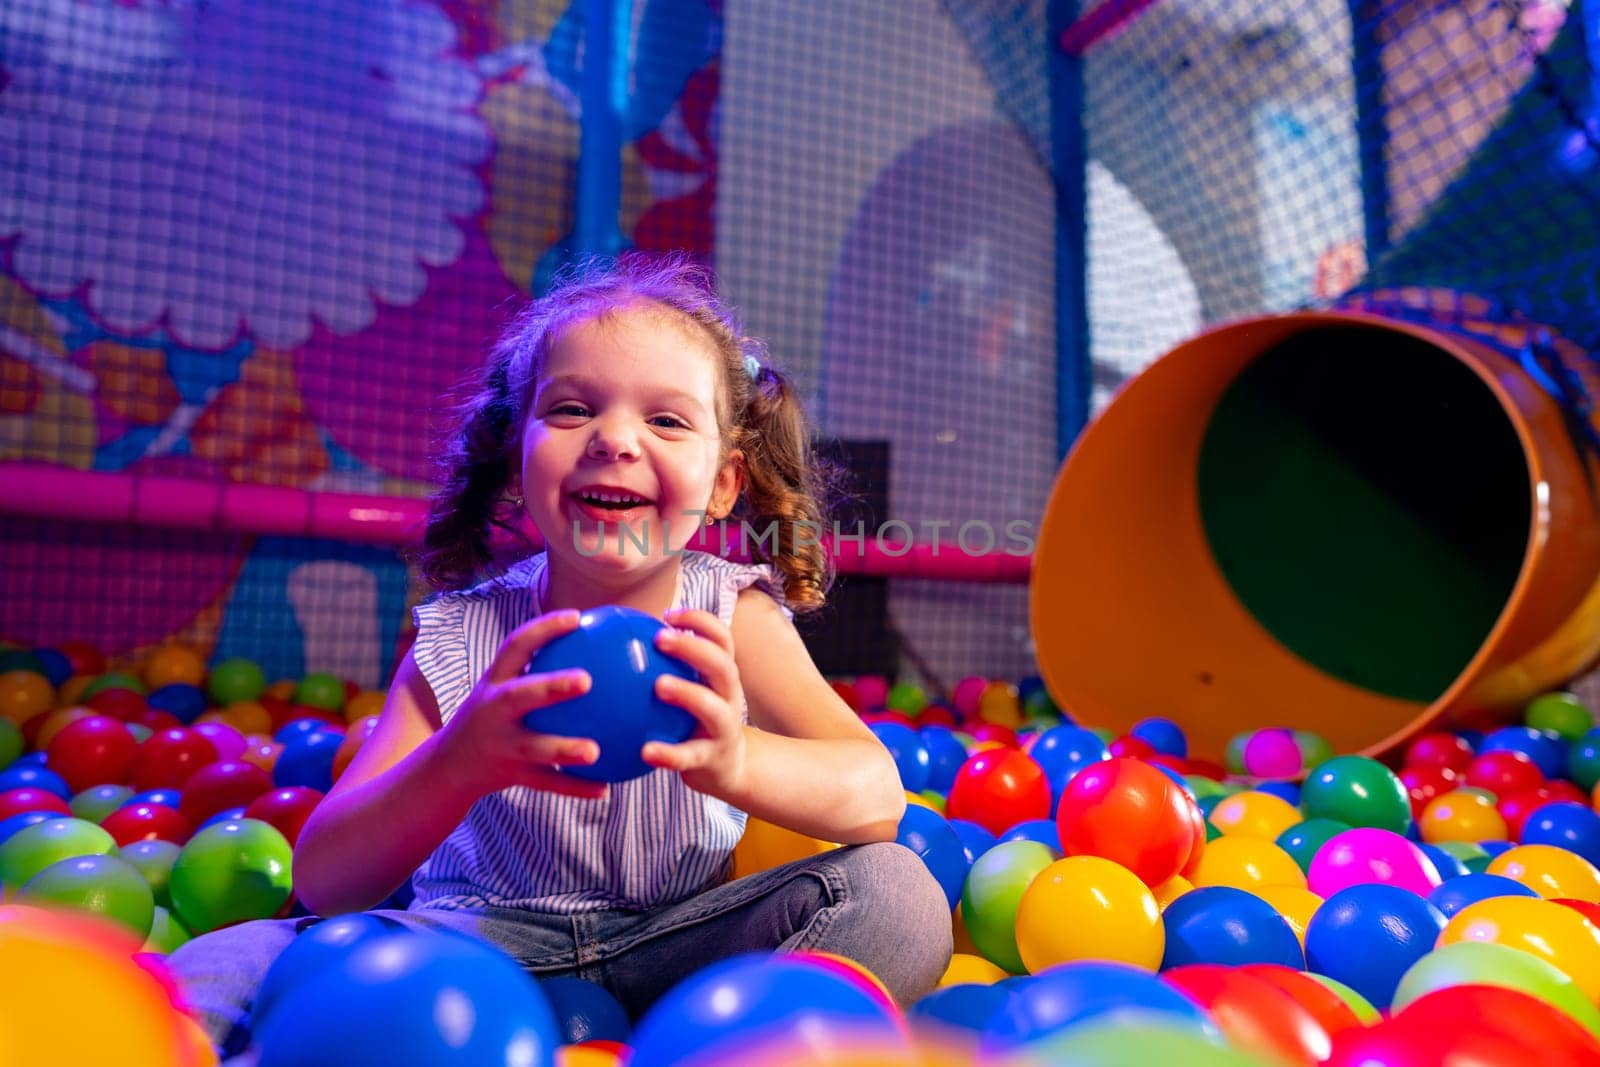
(622, 446)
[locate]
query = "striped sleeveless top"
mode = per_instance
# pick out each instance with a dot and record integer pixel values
(650, 842)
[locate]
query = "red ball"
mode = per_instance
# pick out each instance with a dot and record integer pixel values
(1253, 1014)
(1504, 773)
(1563, 790)
(1330, 1010)
(993, 731)
(220, 786)
(93, 750)
(1130, 747)
(157, 720)
(1131, 813)
(1587, 908)
(1426, 782)
(86, 660)
(936, 715)
(147, 822)
(882, 715)
(122, 704)
(848, 694)
(1206, 768)
(286, 809)
(1492, 1021)
(27, 798)
(998, 788)
(1516, 808)
(1439, 749)
(168, 757)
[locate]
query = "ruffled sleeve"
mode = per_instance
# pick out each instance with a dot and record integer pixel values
(440, 650)
(741, 576)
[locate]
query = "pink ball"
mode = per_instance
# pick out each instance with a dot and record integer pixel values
(966, 694)
(230, 743)
(1367, 854)
(1272, 754)
(873, 689)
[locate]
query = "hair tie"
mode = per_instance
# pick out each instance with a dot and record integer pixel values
(752, 367)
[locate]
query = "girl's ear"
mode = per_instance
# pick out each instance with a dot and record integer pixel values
(728, 485)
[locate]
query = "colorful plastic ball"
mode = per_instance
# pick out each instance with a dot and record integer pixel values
(1114, 916)
(307, 760)
(1461, 815)
(1456, 1021)
(169, 798)
(1423, 784)
(92, 751)
(975, 840)
(1163, 735)
(40, 730)
(1314, 748)
(21, 821)
(1446, 863)
(25, 695)
(1255, 1015)
(873, 691)
(96, 802)
(235, 680)
(1583, 760)
(968, 969)
(184, 702)
(1543, 928)
(121, 704)
(585, 1011)
(716, 1010)
(1043, 831)
(910, 755)
(1367, 855)
(33, 775)
(1246, 863)
(1503, 773)
(1000, 704)
(166, 936)
(1469, 889)
(318, 948)
(114, 680)
(946, 754)
(1562, 714)
(1360, 1005)
(51, 662)
(1062, 751)
(1573, 827)
(1368, 936)
(1472, 963)
(173, 665)
(992, 894)
(1358, 791)
(426, 999)
(1284, 790)
(153, 859)
(169, 757)
(1220, 924)
(997, 789)
(102, 885)
(1439, 749)
(11, 743)
(926, 833)
(1129, 747)
(221, 786)
(1272, 753)
(1063, 998)
(1133, 1039)
(968, 1007)
(1254, 814)
(1331, 1010)
(30, 798)
(1294, 906)
(1549, 871)
(1303, 839)
(319, 690)
(1132, 814)
(230, 872)
(286, 810)
(616, 647)
(33, 848)
(1547, 750)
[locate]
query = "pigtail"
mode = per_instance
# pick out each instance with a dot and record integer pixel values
(786, 486)
(476, 468)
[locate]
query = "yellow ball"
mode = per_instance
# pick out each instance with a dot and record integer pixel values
(1247, 863)
(998, 704)
(923, 802)
(71, 691)
(1461, 815)
(174, 665)
(765, 846)
(963, 940)
(55, 722)
(1251, 814)
(1553, 932)
(367, 702)
(24, 694)
(1088, 908)
(1171, 890)
(282, 689)
(1553, 873)
(970, 969)
(1296, 905)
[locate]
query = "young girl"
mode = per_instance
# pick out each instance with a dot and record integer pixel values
(617, 412)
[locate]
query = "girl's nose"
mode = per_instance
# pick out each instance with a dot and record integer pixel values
(612, 442)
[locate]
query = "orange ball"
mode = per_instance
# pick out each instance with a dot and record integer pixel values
(55, 722)
(353, 740)
(261, 751)
(248, 717)
(24, 694)
(368, 702)
(174, 665)
(1461, 815)
(71, 691)
(998, 704)
(282, 689)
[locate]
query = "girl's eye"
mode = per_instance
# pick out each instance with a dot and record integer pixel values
(670, 422)
(569, 409)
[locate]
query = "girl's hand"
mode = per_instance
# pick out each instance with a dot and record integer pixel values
(489, 748)
(712, 760)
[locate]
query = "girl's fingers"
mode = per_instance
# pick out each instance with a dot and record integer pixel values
(714, 664)
(550, 749)
(686, 756)
(553, 781)
(709, 708)
(703, 623)
(516, 650)
(534, 691)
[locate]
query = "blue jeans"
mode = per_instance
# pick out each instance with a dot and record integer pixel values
(876, 904)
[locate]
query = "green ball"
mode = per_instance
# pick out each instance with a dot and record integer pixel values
(101, 885)
(1562, 712)
(994, 889)
(98, 801)
(1314, 748)
(1487, 963)
(320, 691)
(11, 745)
(167, 934)
(33, 848)
(235, 680)
(154, 860)
(1302, 840)
(1133, 1037)
(1103, 734)
(20, 659)
(230, 872)
(1203, 787)
(1233, 755)
(113, 680)
(1357, 1003)
(141, 733)
(934, 797)
(1463, 850)
(1041, 705)
(1357, 791)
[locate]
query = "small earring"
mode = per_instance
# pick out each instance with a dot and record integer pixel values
(711, 520)
(518, 502)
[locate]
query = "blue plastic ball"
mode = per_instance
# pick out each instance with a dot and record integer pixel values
(1221, 924)
(969, 1007)
(1368, 936)
(586, 1011)
(291, 730)
(621, 712)
(226, 815)
(910, 754)
(1567, 825)
(926, 833)
(1071, 993)
(1450, 866)
(1178, 779)
(423, 999)
(1044, 831)
(57, 667)
(22, 775)
(1546, 748)
(22, 820)
(307, 759)
(946, 754)
(36, 760)
(975, 839)
(185, 702)
(1468, 889)
(317, 948)
(716, 1010)
(170, 798)
(1583, 760)
(1062, 751)
(1163, 735)
(1283, 788)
